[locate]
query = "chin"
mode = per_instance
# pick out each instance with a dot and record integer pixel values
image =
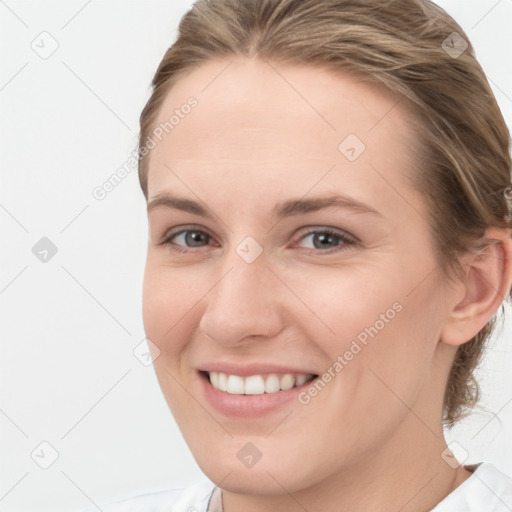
(273, 476)
(251, 481)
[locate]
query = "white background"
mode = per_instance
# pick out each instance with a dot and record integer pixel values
(69, 326)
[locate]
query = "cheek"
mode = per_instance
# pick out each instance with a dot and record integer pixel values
(379, 338)
(393, 366)
(168, 300)
(168, 315)
(346, 305)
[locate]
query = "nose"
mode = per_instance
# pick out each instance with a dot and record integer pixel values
(246, 302)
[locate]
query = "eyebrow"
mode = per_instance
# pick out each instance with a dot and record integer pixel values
(281, 210)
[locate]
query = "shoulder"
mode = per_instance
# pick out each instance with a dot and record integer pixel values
(194, 498)
(486, 489)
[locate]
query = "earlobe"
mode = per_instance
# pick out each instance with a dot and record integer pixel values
(487, 283)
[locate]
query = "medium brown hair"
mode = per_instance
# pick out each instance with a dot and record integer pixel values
(411, 47)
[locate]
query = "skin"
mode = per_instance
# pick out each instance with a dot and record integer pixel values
(372, 438)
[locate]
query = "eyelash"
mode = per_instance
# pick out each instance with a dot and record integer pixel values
(345, 239)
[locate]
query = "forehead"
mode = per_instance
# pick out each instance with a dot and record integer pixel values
(261, 119)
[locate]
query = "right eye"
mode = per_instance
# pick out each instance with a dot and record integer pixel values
(178, 241)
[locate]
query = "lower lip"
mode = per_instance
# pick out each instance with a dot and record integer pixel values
(248, 405)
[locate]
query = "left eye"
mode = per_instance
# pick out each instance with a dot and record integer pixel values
(327, 239)
(324, 240)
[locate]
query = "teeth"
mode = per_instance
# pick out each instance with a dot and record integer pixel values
(256, 384)
(223, 381)
(272, 384)
(214, 377)
(300, 379)
(235, 385)
(287, 381)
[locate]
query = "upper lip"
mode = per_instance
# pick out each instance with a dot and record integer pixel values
(244, 370)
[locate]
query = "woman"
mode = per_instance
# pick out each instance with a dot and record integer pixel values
(327, 186)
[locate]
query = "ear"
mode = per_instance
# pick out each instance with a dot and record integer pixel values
(488, 277)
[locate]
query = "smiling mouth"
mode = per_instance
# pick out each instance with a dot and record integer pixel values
(257, 384)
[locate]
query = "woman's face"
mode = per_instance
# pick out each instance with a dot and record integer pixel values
(242, 278)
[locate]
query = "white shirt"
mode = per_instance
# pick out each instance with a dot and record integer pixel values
(486, 490)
